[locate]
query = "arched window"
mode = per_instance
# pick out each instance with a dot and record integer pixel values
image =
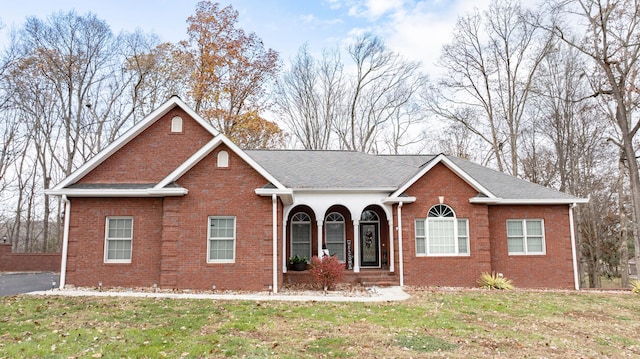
(441, 233)
(176, 124)
(334, 234)
(369, 216)
(301, 235)
(223, 159)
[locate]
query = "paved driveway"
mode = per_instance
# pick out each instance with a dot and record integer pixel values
(17, 283)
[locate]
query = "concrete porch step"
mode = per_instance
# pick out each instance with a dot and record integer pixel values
(366, 277)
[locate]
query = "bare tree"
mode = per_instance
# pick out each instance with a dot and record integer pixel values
(489, 68)
(612, 43)
(383, 86)
(371, 107)
(73, 94)
(310, 97)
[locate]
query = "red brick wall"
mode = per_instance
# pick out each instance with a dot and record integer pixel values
(445, 271)
(488, 239)
(28, 262)
(85, 260)
(219, 192)
(153, 154)
(553, 270)
(170, 234)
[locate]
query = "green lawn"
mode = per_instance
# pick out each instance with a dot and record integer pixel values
(465, 324)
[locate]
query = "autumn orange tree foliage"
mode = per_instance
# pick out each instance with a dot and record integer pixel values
(227, 73)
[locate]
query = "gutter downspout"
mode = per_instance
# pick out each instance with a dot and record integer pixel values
(274, 205)
(65, 241)
(400, 256)
(574, 257)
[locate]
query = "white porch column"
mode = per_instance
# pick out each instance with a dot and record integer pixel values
(356, 246)
(274, 206)
(576, 279)
(319, 252)
(65, 241)
(400, 256)
(390, 255)
(284, 245)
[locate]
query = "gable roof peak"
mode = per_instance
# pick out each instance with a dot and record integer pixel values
(130, 134)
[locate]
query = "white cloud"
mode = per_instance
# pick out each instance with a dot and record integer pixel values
(418, 32)
(373, 9)
(376, 8)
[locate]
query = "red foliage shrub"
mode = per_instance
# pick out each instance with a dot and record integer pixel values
(327, 271)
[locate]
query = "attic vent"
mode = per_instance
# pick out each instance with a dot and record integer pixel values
(176, 124)
(223, 159)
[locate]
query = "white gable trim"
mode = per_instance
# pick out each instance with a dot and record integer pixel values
(441, 158)
(109, 192)
(207, 149)
(128, 136)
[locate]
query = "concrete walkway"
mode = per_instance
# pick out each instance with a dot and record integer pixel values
(377, 294)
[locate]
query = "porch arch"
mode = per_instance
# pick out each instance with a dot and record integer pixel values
(299, 234)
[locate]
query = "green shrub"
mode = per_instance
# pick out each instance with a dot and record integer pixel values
(297, 259)
(327, 271)
(494, 281)
(635, 286)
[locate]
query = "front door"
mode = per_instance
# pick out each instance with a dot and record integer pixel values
(369, 245)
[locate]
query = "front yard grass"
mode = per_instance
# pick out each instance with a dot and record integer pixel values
(432, 323)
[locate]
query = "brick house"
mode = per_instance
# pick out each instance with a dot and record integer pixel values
(173, 203)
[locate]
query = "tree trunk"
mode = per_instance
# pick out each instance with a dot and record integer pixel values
(624, 249)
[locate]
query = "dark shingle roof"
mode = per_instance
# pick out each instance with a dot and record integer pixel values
(299, 169)
(506, 186)
(331, 169)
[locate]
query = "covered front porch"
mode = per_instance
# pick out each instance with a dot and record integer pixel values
(359, 231)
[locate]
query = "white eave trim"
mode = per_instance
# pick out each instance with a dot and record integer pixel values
(286, 195)
(399, 200)
(498, 201)
(346, 190)
(441, 158)
(145, 192)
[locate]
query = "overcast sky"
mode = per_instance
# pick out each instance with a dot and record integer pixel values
(414, 28)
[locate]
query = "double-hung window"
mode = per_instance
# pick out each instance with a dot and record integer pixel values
(118, 240)
(222, 240)
(525, 236)
(441, 233)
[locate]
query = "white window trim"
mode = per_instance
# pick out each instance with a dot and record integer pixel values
(455, 221)
(107, 239)
(525, 237)
(209, 239)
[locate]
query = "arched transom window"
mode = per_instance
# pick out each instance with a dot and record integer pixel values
(334, 234)
(301, 235)
(369, 216)
(441, 233)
